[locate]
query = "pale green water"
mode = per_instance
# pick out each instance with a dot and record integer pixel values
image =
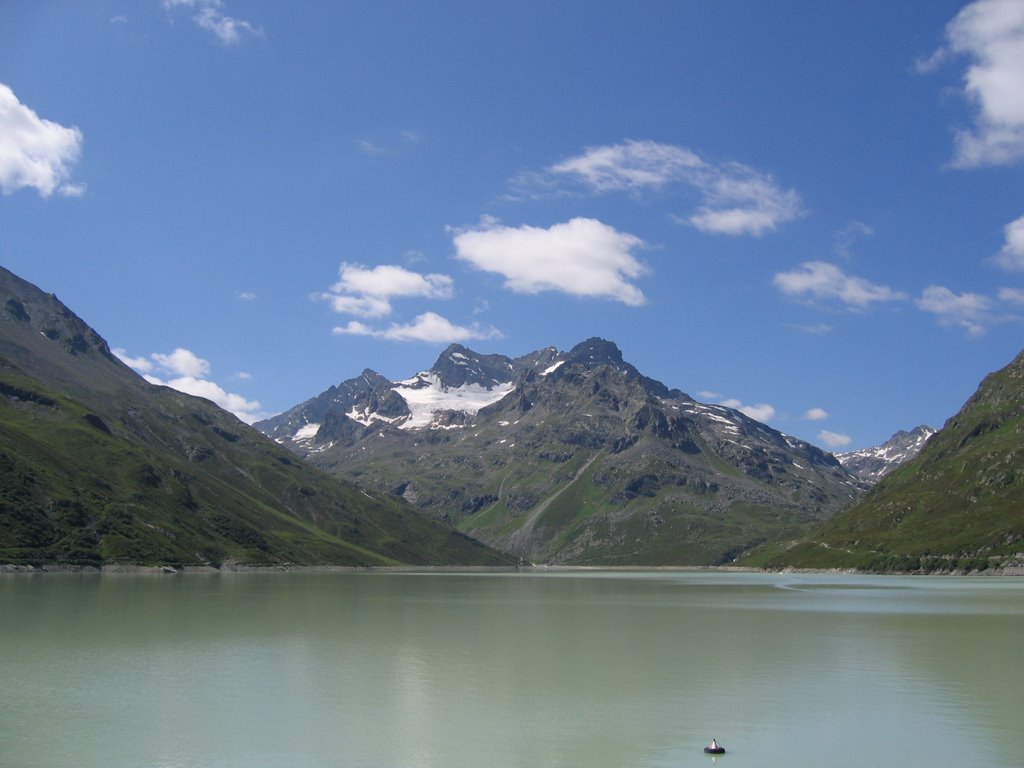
(499, 670)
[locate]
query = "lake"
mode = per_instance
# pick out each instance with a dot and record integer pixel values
(463, 670)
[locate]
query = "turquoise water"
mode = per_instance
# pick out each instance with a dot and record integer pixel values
(573, 669)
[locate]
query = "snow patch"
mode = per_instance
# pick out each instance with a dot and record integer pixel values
(306, 432)
(425, 395)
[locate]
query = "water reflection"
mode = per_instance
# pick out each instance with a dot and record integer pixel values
(560, 669)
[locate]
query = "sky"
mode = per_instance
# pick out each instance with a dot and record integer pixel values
(812, 212)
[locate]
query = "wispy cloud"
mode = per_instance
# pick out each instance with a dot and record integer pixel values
(845, 238)
(735, 199)
(368, 291)
(34, 152)
(834, 439)
(210, 15)
(991, 34)
(823, 282)
(186, 372)
(970, 311)
(581, 257)
(815, 414)
(1012, 295)
(377, 148)
(428, 327)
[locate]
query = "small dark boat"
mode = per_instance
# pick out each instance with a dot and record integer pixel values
(715, 750)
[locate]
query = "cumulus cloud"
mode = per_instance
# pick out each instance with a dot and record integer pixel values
(833, 439)
(367, 292)
(35, 152)
(182, 362)
(140, 364)
(970, 311)
(184, 371)
(210, 15)
(990, 33)
(816, 414)
(821, 281)
(1011, 257)
(581, 257)
(761, 412)
(735, 198)
(428, 327)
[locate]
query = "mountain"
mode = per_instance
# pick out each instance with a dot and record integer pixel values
(959, 504)
(99, 466)
(872, 464)
(570, 457)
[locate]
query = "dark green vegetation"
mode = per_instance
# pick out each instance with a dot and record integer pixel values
(585, 462)
(958, 506)
(98, 466)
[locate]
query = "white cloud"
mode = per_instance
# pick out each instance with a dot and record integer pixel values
(1011, 295)
(970, 311)
(761, 412)
(246, 296)
(35, 152)
(632, 165)
(816, 414)
(209, 15)
(367, 292)
(246, 410)
(991, 34)
(182, 362)
(187, 370)
(140, 364)
(582, 257)
(1011, 257)
(428, 327)
(371, 148)
(833, 439)
(741, 201)
(735, 198)
(821, 281)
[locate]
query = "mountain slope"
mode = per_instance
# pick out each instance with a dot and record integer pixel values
(97, 465)
(959, 503)
(574, 457)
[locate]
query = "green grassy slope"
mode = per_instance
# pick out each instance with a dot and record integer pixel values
(98, 466)
(959, 504)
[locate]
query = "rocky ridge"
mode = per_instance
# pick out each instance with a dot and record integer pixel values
(571, 457)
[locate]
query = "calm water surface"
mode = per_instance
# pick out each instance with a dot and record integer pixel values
(583, 670)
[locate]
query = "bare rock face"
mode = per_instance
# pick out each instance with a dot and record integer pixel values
(571, 457)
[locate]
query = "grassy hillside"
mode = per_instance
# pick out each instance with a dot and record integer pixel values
(98, 466)
(960, 504)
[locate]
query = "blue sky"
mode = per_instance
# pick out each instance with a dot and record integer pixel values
(811, 211)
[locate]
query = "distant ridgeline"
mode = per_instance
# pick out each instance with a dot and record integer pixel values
(98, 466)
(554, 457)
